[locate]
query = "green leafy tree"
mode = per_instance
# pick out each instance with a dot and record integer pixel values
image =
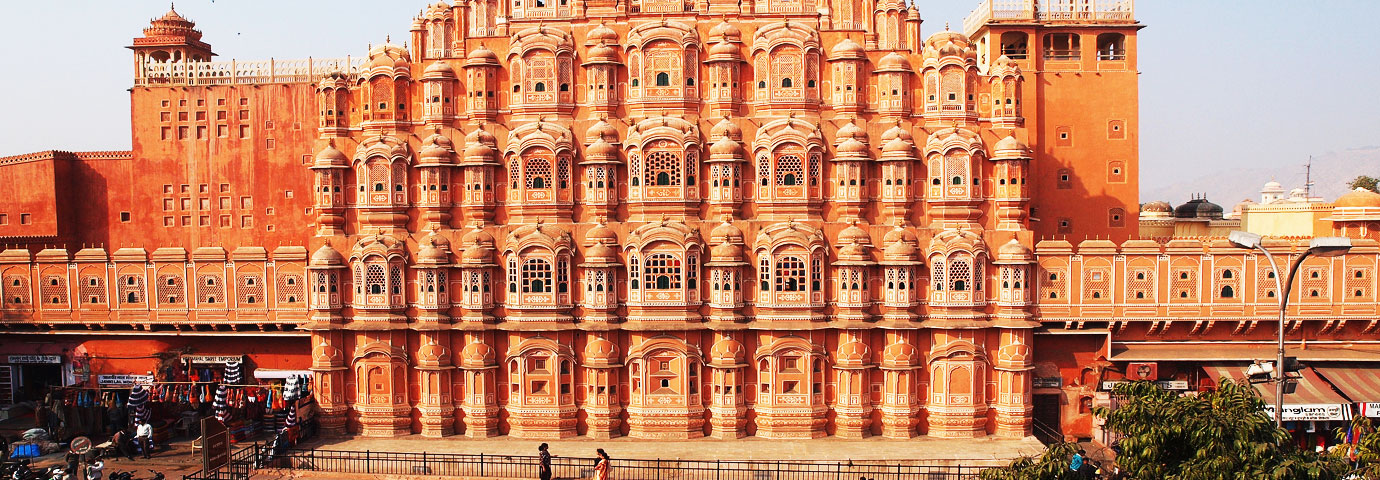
(1215, 435)
(1364, 456)
(1365, 181)
(1052, 465)
(1219, 434)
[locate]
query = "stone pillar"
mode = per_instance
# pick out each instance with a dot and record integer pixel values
(328, 368)
(1013, 369)
(434, 371)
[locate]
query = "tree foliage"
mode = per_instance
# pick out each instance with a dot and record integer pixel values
(1365, 181)
(1214, 435)
(1052, 465)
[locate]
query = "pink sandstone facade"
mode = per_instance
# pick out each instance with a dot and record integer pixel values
(785, 219)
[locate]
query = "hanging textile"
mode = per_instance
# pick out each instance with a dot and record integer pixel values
(234, 374)
(220, 405)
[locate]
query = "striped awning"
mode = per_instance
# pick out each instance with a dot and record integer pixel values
(1314, 399)
(1360, 383)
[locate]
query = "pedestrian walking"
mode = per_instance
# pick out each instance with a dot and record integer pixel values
(95, 470)
(1076, 463)
(144, 436)
(122, 444)
(544, 465)
(72, 459)
(601, 467)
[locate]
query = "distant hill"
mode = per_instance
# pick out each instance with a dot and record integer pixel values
(1331, 172)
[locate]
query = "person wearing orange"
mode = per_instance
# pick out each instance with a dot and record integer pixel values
(601, 468)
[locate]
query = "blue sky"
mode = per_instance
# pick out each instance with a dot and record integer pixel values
(1224, 83)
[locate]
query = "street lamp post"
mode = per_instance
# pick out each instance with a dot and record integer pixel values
(1320, 247)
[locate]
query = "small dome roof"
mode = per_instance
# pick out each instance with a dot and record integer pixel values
(601, 252)
(1272, 186)
(853, 354)
(847, 49)
(1199, 208)
(1014, 251)
(724, 49)
(601, 129)
(600, 233)
(601, 53)
(599, 352)
(852, 147)
(481, 55)
(601, 148)
(853, 232)
(1358, 198)
(727, 230)
(433, 249)
(326, 257)
(172, 24)
(727, 352)
(477, 354)
(1008, 148)
(439, 68)
(900, 355)
(1157, 206)
(726, 128)
(893, 62)
(851, 130)
(602, 34)
(896, 131)
(431, 354)
(725, 147)
(727, 31)
(331, 157)
(897, 145)
(726, 252)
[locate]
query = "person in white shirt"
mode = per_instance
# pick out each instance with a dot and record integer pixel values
(144, 436)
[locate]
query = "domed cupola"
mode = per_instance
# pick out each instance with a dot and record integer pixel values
(1199, 208)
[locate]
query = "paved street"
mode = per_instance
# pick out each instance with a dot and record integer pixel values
(978, 451)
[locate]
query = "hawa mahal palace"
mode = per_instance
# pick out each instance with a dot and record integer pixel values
(652, 218)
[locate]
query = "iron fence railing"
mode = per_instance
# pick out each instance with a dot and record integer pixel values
(511, 466)
(244, 461)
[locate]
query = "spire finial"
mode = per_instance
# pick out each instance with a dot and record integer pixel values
(946, 26)
(387, 39)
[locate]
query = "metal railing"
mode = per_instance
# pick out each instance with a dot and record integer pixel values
(514, 466)
(242, 463)
(1049, 10)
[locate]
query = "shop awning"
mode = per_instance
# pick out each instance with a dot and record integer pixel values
(1314, 399)
(1228, 352)
(1359, 383)
(271, 373)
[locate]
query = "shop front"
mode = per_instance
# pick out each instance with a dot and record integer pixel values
(1312, 412)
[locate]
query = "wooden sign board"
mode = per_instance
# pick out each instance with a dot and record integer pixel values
(215, 444)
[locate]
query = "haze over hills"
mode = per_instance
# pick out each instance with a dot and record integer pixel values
(1331, 172)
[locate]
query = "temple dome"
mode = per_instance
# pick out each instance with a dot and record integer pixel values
(477, 354)
(600, 352)
(727, 352)
(1358, 198)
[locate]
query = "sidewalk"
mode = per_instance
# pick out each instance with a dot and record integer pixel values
(922, 450)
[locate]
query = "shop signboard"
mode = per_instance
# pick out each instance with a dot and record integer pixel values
(1108, 385)
(35, 359)
(215, 444)
(1311, 412)
(1370, 409)
(212, 359)
(1047, 382)
(120, 380)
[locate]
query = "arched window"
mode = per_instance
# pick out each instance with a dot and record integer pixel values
(663, 79)
(1227, 291)
(536, 276)
(790, 274)
(663, 271)
(786, 83)
(1111, 46)
(540, 87)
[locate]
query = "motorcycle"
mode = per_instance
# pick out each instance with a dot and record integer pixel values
(130, 475)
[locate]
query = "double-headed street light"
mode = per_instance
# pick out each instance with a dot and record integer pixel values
(1320, 247)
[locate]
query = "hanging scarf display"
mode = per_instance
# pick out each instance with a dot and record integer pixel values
(138, 403)
(233, 373)
(219, 404)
